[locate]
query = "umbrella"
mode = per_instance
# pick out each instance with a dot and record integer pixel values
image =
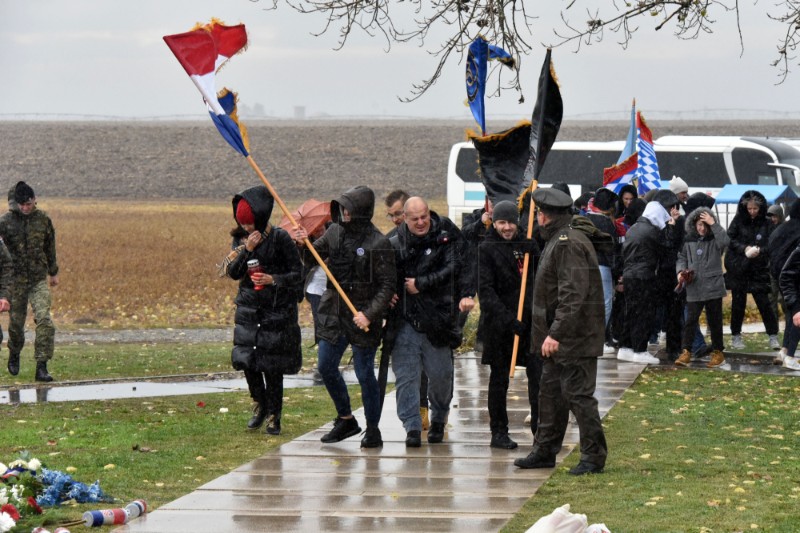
(312, 215)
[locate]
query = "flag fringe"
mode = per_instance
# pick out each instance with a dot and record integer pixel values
(234, 115)
(471, 134)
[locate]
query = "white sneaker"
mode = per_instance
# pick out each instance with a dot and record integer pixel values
(527, 421)
(645, 358)
(774, 343)
(608, 349)
(780, 357)
(791, 363)
(737, 343)
(625, 354)
(662, 337)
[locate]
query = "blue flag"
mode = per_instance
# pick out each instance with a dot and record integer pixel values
(480, 52)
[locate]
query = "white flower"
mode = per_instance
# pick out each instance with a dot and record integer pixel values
(3, 496)
(34, 464)
(6, 522)
(223, 410)
(3, 468)
(18, 462)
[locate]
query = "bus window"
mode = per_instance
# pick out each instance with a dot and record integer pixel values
(584, 167)
(698, 169)
(467, 165)
(751, 168)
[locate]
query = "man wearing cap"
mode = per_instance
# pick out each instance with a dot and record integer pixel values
(501, 256)
(568, 333)
(31, 239)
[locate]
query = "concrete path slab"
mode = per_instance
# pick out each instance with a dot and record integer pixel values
(459, 485)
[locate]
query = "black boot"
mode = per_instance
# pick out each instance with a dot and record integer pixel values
(13, 364)
(41, 372)
(273, 425)
(372, 438)
(259, 415)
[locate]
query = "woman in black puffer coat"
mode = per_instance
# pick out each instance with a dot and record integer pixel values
(266, 335)
(747, 266)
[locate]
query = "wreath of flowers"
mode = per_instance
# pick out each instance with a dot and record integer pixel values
(27, 486)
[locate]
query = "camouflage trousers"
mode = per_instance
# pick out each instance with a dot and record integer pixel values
(38, 295)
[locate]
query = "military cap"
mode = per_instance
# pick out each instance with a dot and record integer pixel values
(552, 198)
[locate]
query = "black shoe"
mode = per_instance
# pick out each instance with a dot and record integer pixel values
(533, 460)
(585, 468)
(259, 415)
(13, 364)
(41, 372)
(342, 428)
(372, 438)
(273, 425)
(436, 433)
(413, 439)
(502, 441)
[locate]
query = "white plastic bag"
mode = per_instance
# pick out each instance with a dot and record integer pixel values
(560, 521)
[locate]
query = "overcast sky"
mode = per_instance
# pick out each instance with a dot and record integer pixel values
(107, 58)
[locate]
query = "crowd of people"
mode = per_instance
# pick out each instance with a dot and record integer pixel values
(603, 276)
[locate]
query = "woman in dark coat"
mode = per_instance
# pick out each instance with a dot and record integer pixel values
(501, 257)
(266, 335)
(747, 266)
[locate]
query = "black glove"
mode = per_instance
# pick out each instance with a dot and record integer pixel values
(519, 328)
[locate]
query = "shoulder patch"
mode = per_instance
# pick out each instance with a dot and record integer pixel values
(563, 237)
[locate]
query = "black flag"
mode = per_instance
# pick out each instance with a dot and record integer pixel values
(546, 120)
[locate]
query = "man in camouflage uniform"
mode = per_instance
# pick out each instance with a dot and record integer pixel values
(31, 239)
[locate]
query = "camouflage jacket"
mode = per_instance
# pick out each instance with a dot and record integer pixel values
(31, 241)
(6, 272)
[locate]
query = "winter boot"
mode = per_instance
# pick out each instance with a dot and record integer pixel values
(343, 428)
(502, 441)
(259, 415)
(684, 359)
(426, 421)
(273, 425)
(372, 438)
(13, 364)
(717, 359)
(535, 460)
(41, 372)
(436, 433)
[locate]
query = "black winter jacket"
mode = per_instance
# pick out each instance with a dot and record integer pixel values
(266, 334)
(361, 259)
(783, 240)
(436, 262)
(500, 265)
(789, 282)
(642, 250)
(741, 273)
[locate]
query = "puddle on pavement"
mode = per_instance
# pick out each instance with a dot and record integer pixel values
(145, 389)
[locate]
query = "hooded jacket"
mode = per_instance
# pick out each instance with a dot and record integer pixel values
(789, 283)
(645, 244)
(266, 333)
(31, 241)
(568, 292)
(743, 274)
(361, 259)
(703, 255)
(783, 240)
(435, 260)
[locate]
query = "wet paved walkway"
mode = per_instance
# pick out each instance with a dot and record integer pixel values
(460, 485)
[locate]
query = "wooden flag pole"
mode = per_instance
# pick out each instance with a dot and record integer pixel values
(524, 286)
(306, 241)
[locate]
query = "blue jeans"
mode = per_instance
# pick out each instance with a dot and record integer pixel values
(608, 290)
(328, 358)
(412, 353)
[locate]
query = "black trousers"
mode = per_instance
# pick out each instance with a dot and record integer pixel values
(713, 317)
(639, 312)
(566, 386)
(498, 393)
(738, 304)
(266, 388)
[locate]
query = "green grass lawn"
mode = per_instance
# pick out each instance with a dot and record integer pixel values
(113, 360)
(690, 451)
(157, 449)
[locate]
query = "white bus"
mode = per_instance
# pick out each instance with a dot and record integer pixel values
(705, 163)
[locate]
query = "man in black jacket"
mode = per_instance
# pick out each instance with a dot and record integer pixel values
(789, 282)
(362, 261)
(428, 252)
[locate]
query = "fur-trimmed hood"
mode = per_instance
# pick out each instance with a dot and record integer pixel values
(691, 221)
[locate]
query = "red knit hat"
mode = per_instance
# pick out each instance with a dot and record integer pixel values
(244, 214)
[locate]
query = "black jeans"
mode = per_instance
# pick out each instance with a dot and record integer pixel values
(713, 317)
(267, 389)
(639, 312)
(738, 304)
(498, 392)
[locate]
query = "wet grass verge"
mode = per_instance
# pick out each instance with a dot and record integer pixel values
(690, 451)
(157, 449)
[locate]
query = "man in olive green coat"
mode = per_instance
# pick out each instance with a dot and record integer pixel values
(568, 332)
(31, 240)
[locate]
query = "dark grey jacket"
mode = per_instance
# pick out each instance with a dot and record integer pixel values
(704, 256)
